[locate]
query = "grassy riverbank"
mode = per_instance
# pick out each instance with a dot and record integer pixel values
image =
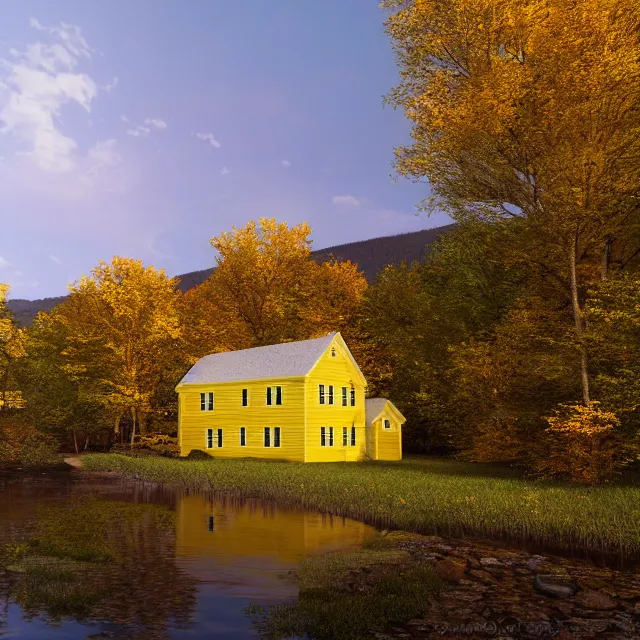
(424, 496)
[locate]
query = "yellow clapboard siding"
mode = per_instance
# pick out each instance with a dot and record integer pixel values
(389, 441)
(339, 372)
(229, 415)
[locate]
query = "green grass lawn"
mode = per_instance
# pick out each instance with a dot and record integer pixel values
(422, 495)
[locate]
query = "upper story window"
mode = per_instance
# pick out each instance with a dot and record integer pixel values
(353, 397)
(333, 352)
(325, 394)
(387, 424)
(344, 396)
(206, 401)
(245, 397)
(274, 395)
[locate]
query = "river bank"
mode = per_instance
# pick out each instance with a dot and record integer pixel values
(485, 588)
(428, 497)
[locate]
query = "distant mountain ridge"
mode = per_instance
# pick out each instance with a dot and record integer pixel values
(371, 255)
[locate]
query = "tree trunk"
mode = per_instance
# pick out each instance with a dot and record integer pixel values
(75, 442)
(86, 443)
(133, 425)
(579, 321)
(5, 384)
(606, 257)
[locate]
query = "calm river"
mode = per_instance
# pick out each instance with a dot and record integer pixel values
(178, 566)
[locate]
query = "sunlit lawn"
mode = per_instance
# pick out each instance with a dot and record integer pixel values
(423, 495)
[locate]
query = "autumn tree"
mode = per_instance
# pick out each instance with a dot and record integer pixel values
(123, 331)
(262, 275)
(267, 288)
(418, 314)
(527, 111)
(63, 399)
(12, 340)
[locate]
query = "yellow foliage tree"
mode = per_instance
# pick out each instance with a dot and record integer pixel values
(123, 326)
(267, 289)
(583, 445)
(527, 110)
(12, 347)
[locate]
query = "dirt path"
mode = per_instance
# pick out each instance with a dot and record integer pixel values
(74, 461)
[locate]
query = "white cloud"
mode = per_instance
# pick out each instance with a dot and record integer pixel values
(208, 137)
(110, 86)
(224, 171)
(103, 154)
(156, 122)
(55, 259)
(144, 129)
(286, 163)
(36, 85)
(346, 200)
(4, 263)
(139, 131)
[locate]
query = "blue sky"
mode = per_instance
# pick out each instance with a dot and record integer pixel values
(143, 128)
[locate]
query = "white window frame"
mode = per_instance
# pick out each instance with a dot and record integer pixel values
(326, 395)
(324, 440)
(207, 398)
(208, 439)
(345, 396)
(273, 396)
(240, 433)
(345, 436)
(385, 422)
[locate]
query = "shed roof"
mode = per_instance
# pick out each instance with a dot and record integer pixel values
(375, 406)
(285, 360)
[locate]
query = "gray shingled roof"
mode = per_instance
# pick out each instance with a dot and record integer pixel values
(373, 407)
(286, 360)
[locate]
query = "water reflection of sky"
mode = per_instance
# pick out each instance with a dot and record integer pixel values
(234, 553)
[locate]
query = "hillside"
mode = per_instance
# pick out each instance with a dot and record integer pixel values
(371, 255)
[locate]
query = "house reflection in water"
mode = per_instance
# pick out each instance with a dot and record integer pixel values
(224, 540)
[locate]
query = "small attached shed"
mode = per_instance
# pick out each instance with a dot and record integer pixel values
(384, 429)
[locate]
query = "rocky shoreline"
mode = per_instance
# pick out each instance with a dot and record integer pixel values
(496, 593)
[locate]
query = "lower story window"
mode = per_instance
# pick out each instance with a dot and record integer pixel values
(353, 436)
(243, 436)
(345, 437)
(214, 438)
(326, 436)
(268, 441)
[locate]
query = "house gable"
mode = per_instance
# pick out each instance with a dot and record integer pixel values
(342, 353)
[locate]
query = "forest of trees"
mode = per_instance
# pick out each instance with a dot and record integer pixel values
(516, 340)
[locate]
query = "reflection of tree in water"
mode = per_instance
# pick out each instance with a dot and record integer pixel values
(103, 562)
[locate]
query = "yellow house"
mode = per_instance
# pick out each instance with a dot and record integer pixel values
(301, 401)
